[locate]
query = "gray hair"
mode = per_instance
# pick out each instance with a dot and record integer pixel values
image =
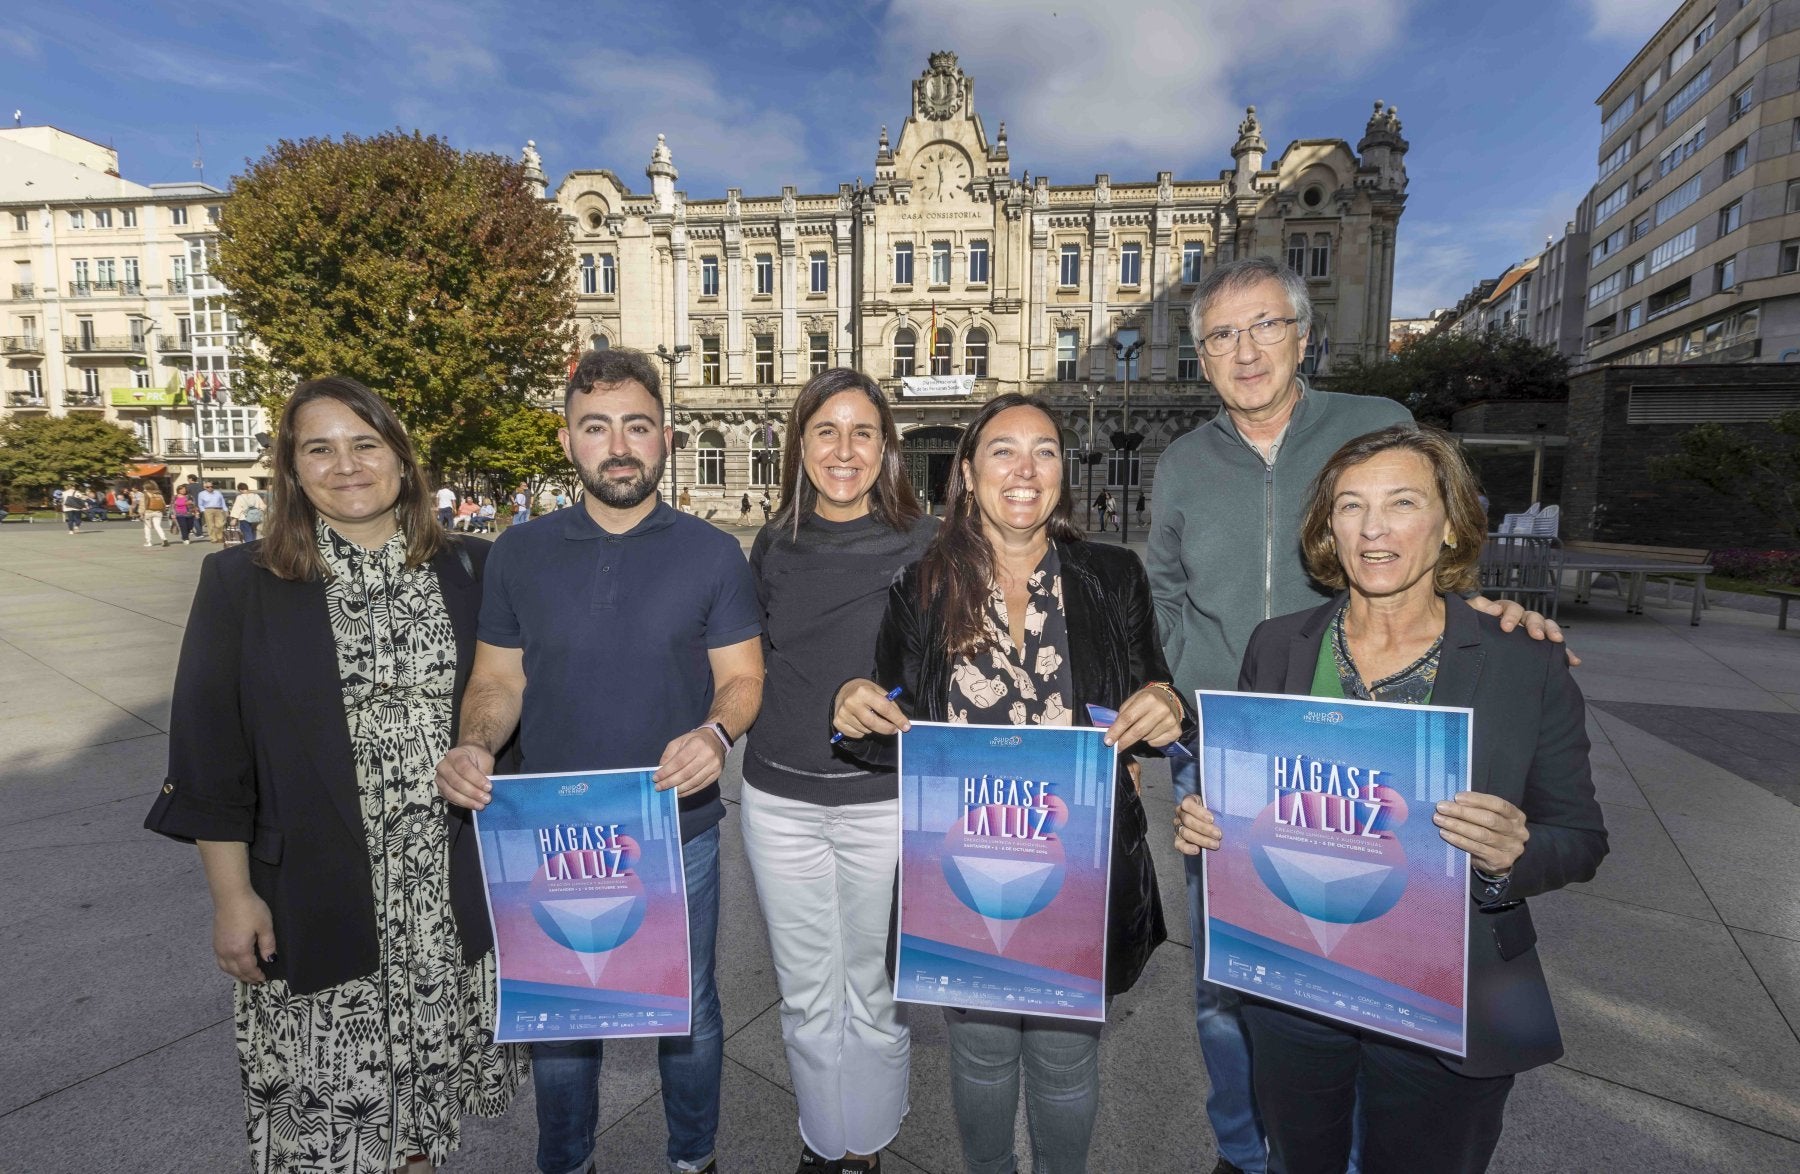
(1236, 275)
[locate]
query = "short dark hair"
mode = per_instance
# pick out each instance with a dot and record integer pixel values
(610, 365)
(1456, 565)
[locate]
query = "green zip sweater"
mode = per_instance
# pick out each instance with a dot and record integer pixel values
(1224, 550)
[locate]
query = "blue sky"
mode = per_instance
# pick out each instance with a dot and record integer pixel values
(1496, 100)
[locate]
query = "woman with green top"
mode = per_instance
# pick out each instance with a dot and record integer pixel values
(1395, 525)
(821, 828)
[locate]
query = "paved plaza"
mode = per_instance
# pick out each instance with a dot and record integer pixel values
(1676, 973)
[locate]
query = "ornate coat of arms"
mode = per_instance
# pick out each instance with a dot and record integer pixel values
(940, 89)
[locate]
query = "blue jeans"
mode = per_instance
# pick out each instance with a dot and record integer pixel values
(567, 1076)
(1224, 1043)
(1061, 1062)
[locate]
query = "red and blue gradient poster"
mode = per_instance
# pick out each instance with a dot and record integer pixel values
(1005, 857)
(589, 906)
(1333, 892)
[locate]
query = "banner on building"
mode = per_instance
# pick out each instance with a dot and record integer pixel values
(1333, 892)
(937, 385)
(589, 906)
(1006, 852)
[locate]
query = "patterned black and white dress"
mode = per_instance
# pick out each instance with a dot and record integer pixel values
(1003, 685)
(355, 1078)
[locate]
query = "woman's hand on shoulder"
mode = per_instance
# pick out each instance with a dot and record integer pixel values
(862, 708)
(1195, 828)
(243, 934)
(1152, 715)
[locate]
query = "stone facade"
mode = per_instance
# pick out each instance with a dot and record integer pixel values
(106, 305)
(951, 263)
(1620, 418)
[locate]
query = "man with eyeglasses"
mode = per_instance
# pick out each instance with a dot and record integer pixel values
(1224, 555)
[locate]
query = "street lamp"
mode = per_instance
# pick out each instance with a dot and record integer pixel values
(1091, 454)
(1125, 439)
(673, 358)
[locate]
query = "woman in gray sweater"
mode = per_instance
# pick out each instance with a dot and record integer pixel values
(819, 826)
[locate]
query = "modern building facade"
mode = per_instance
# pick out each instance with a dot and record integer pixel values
(1694, 244)
(952, 277)
(107, 305)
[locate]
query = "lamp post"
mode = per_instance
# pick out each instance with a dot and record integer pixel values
(673, 358)
(1091, 453)
(1127, 355)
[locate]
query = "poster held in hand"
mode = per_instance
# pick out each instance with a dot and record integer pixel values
(1332, 891)
(1005, 861)
(585, 890)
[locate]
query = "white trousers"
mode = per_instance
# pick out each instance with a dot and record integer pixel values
(154, 520)
(825, 879)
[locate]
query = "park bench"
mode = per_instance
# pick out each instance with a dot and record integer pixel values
(18, 513)
(1786, 595)
(1632, 564)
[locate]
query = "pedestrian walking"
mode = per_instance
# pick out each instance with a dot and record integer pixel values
(185, 516)
(766, 504)
(1141, 504)
(72, 507)
(446, 507)
(685, 502)
(744, 510)
(247, 511)
(212, 511)
(521, 503)
(149, 503)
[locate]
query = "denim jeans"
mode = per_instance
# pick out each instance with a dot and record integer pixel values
(567, 1076)
(1224, 1043)
(1061, 1061)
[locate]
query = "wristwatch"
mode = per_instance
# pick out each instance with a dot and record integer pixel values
(719, 729)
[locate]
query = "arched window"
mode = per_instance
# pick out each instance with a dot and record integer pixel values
(1318, 262)
(765, 456)
(906, 345)
(975, 348)
(1297, 252)
(940, 351)
(709, 459)
(598, 342)
(1072, 453)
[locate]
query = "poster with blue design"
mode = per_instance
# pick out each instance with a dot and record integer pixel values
(1333, 892)
(589, 906)
(1005, 858)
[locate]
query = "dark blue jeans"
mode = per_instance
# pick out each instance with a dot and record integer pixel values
(567, 1076)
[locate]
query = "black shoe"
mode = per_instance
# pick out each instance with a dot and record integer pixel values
(1225, 1167)
(811, 1163)
(871, 1165)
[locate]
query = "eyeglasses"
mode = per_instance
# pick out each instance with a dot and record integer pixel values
(1268, 332)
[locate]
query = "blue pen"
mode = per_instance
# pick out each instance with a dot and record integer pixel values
(892, 695)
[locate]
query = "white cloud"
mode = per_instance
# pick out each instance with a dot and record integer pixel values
(1437, 262)
(1632, 21)
(1085, 81)
(20, 43)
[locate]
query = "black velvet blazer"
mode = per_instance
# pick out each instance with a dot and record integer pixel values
(1531, 749)
(259, 752)
(1113, 652)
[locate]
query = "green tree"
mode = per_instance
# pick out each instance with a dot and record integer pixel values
(1436, 375)
(433, 275)
(522, 447)
(38, 453)
(1734, 465)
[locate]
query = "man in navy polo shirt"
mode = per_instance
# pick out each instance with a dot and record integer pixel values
(617, 635)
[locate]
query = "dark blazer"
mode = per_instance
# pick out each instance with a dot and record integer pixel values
(1113, 652)
(259, 752)
(1531, 749)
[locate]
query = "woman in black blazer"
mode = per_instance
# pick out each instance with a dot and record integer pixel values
(319, 682)
(1394, 520)
(1010, 618)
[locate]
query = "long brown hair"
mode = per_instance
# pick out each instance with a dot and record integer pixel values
(290, 547)
(957, 572)
(1456, 563)
(891, 498)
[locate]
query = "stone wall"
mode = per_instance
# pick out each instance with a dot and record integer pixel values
(1609, 494)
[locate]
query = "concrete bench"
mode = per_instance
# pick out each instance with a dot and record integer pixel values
(1787, 595)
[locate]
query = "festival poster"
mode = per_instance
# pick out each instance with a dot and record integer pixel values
(588, 902)
(1005, 859)
(1333, 892)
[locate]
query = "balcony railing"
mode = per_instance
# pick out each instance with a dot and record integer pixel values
(22, 290)
(26, 400)
(103, 344)
(177, 285)
(84, 399)
(174, 344)
(87, 289)
(131, 288)
(21, 344)
(180, 448)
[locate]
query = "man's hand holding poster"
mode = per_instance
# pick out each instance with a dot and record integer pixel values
(589, 906)
(1006, 849)
(1332, 891)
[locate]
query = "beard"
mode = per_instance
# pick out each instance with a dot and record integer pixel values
(622, 495)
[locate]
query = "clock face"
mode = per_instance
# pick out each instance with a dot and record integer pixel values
(938, 174)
